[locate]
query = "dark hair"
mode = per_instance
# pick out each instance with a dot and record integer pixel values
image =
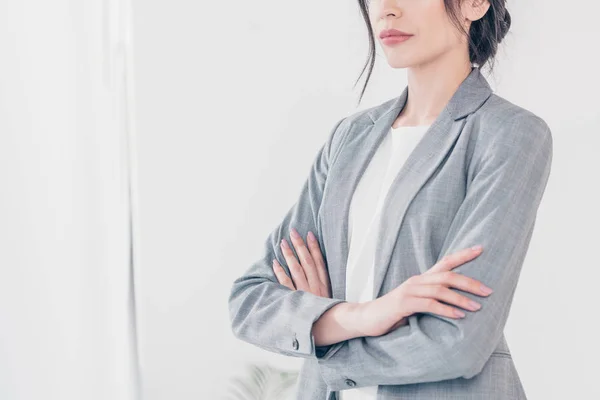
(484, 35)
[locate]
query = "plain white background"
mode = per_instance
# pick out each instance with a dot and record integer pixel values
(234, 98)
(66, 312)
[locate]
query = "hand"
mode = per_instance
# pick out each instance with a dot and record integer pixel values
(420, 293)
(310, 273)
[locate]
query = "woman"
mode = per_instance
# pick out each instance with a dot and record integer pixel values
(396, 199)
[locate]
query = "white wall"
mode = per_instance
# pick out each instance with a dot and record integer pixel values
(66, 315)
(227, 104)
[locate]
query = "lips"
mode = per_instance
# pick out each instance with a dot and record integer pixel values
(392, 32)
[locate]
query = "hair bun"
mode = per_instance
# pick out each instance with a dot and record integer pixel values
(504, 25)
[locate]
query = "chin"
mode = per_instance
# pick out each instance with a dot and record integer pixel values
(397, 63)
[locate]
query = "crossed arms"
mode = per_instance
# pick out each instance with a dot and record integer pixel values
(507, 178)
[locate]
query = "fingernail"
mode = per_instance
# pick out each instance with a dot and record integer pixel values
(459, 313)
(486, 289)
(295, 234)
(284, 243)
(476, 248)
(311, 236)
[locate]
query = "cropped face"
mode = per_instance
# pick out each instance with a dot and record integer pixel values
(426, 30)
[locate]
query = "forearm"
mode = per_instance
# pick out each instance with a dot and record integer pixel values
(341, 322)
(498, 212)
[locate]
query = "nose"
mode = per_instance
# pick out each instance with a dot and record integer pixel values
(389, 9)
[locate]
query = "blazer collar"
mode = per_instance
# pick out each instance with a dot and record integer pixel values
(469, 96)
(422, 162)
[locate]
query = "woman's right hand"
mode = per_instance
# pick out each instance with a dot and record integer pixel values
(421, 293)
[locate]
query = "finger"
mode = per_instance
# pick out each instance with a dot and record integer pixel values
(294, 266)
(455, 259)
(282, 277)
(429, 305)
(443, 293)
(455, 280)
(306, 261)
(315, 251)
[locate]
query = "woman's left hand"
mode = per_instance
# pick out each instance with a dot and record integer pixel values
(308, 274)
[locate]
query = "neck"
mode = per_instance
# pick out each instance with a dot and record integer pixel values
(430, 87)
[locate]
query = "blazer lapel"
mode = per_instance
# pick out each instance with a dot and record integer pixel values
(437, 141)
(358, 151)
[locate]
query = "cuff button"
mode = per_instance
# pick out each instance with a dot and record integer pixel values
(350, 382)
(295, 344)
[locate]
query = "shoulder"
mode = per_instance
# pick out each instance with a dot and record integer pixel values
(504, 134)
(367, 116)
(502, 123)
(364, 118)
(352, 123)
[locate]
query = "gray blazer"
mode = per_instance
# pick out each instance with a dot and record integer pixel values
(476, 177)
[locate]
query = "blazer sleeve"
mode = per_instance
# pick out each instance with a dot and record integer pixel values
(505, 183)
(262, 311)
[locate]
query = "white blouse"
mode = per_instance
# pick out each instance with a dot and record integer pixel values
(363, 220)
